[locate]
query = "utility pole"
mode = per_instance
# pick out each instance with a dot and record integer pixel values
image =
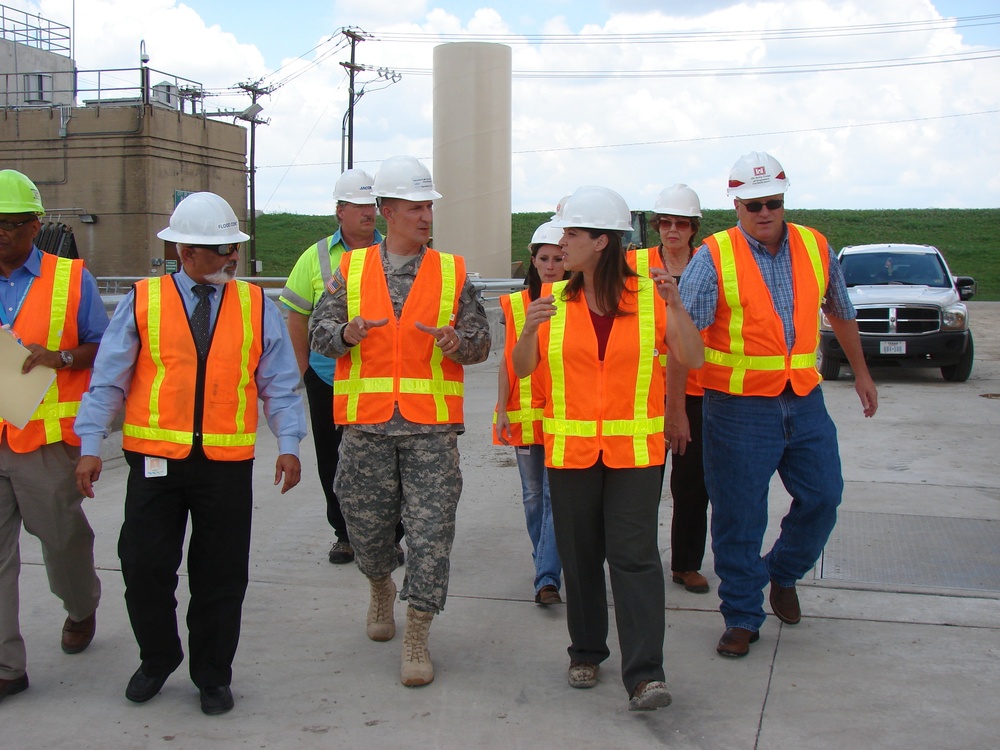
(256, 91)
(352, 98)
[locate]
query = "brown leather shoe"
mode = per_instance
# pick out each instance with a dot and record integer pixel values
(13, 687)
(785, 603)
(736, 641)
(548, 594)
(691, 580)
(76, 636)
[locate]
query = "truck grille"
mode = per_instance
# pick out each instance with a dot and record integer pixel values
(899, 320)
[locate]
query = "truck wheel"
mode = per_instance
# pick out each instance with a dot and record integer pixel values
(960, 372)
(829, 367)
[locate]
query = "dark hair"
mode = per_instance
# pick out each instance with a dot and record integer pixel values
(654, 222)
(610, 275)
(531, 278)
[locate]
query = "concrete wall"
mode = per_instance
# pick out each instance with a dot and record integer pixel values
(18, 59)
(123, 165)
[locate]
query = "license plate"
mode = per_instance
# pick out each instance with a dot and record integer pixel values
(892, 347)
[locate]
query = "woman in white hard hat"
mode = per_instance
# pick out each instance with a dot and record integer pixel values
(677, 218)
(517, 419)
(596, 340)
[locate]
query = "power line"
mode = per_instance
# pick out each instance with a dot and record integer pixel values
(684, 37)
(898, 62)
(695, 139)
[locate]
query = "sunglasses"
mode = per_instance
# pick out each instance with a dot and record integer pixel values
(681, 224)
(755, 207)
(222, 250)
(10, 226)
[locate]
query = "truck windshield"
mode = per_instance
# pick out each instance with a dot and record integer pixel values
(916, 269)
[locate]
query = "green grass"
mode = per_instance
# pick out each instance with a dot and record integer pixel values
(967, 237)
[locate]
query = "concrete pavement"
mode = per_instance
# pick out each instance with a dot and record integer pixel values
(899, 646)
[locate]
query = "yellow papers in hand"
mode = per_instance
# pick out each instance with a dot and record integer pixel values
(20, 393)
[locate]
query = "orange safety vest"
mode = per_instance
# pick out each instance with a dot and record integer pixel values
(641, 260)
(160, 406)
(49, 317)
(527, 398)
(398, 363)
(614, 407)
(745, 350)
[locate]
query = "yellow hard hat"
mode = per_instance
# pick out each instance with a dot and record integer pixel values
(18, 194)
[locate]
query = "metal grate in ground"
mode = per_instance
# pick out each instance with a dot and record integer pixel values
(888, 548)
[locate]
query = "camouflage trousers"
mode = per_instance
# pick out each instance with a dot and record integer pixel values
(382, 478)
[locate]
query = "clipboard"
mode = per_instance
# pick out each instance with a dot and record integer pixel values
(20, 393)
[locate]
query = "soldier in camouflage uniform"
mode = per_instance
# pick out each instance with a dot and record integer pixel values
(398, 391)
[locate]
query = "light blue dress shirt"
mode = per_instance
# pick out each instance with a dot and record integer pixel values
(277, 374)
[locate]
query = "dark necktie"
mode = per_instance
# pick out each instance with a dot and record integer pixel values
(200, 318)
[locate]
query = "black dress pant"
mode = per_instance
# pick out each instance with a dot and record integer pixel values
(326, 437)
(218, 496)
(611, 514)
(689, 526)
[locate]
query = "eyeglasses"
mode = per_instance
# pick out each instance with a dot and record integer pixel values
(681, 224)
(223, 250)
(755, 207)
(10, 226)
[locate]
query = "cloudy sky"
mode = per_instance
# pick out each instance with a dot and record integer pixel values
(873, 104)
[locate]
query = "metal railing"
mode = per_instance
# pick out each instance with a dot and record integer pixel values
(108, 87)
(34, 31)
(489, 287)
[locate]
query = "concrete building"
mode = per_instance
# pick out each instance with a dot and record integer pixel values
(111, 153)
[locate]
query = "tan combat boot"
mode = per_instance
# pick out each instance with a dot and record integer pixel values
(417, 668)
(381, 624)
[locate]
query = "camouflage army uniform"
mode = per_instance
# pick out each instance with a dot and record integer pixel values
(400, 468)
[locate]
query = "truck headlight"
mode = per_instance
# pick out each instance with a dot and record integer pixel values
(824, 322)
(955, 318)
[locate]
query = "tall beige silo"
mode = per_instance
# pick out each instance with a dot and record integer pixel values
(472, 105)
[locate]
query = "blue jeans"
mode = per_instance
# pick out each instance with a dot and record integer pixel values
(747, 439)
(538, 514)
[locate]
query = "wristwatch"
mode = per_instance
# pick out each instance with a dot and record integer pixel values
(66, 357)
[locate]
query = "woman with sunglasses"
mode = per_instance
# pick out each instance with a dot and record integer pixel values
(596, 341)
(677, 217)
(517, 420)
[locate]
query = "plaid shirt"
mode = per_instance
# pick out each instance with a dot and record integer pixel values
(699, 286)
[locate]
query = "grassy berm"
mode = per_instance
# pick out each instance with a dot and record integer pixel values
(967, 237)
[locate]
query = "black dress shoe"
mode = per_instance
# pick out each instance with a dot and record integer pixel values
(142, 687)
(13, 687)
(216, 700)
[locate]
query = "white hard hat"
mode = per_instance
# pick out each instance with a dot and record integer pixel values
(594, 207)
(756, 175)
(677, 200)
(203, 219)
(559, 207)
(547, 234)
(354, 186)
(404, 177)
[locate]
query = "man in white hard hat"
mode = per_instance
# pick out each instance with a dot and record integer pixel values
(53, 305)
(401, 320)
(303, 289)
(189, 355)
(756, 292)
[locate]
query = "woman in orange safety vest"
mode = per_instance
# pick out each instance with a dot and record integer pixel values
(517, 420)
(596, 340)
(677, 219)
